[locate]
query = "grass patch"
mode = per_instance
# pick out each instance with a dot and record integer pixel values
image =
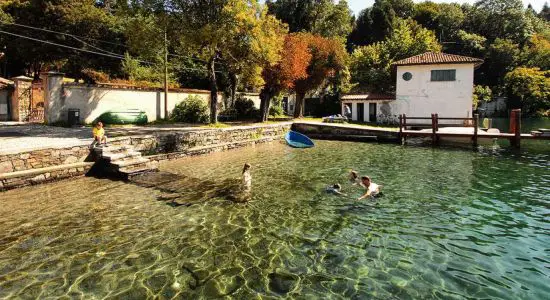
(216, 125)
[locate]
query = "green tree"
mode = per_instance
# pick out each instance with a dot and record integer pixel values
(481, 94)
(537, 52)
(504, 19)
(236, 33)
(529, 89)
(322, 17)
(444, 18)
(545, 12)
(371, 65)
(426, 14)
(361, 34)
(403, 8)
(469, 44)
(80, 18)
(502, 57)
(383, 16)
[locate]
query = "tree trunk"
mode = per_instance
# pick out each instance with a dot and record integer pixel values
(213, 91)
(234, 82)
(299, 106)
(264, 106)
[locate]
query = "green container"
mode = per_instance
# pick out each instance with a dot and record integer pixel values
(128, 116)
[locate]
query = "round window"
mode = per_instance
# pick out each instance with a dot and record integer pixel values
(407, 76)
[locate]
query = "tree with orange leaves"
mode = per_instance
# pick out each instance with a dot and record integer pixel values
(327, 64)
(308, 63)
(295, 58)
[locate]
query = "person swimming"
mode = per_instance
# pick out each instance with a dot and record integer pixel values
(354, 177)
(335, 189)
(371, 189)
(247, 178)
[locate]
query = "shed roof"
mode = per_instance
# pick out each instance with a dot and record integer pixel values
(369, 97)
(430, 58)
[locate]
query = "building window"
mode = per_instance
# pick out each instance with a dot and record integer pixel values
(443, 75)
(407, 76)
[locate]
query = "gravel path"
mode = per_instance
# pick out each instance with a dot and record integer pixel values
(16, 138)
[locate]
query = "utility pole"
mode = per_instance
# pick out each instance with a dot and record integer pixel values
(165, 75)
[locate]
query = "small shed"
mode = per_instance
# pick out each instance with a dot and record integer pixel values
(366, 107)
(6, 90)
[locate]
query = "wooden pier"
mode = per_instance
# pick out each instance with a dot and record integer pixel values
(514, 135)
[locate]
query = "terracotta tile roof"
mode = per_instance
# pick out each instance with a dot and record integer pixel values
(370, 97)
(429, 58)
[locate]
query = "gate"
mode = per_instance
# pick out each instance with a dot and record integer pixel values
(36, 106)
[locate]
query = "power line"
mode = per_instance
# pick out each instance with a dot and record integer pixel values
(62, 33)
(69, 47)
(78, 38)
(94, 52)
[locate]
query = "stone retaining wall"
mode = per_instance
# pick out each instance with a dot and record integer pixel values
(345, 132)
(33, 167)
(43, 175)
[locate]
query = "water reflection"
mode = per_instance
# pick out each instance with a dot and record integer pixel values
(452, 224)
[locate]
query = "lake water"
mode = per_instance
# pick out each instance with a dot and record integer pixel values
(452, 224)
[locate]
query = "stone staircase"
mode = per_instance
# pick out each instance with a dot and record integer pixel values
(124, 161)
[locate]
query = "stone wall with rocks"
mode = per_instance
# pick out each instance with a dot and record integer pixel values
(33, 167)
(345, 132)
(43, 158)
(38, 176)
(150, 144)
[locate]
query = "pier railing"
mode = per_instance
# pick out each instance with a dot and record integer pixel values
(514, 134)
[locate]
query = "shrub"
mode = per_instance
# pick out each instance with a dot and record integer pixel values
(191, 110)
(276, 111)
(245, 108)
(93, 76)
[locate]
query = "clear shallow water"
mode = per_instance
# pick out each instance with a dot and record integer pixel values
(452, 224)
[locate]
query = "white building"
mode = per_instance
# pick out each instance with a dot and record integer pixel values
(427, 83)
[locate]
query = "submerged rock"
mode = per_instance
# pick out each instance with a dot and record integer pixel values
(180, 190)
(282, 283)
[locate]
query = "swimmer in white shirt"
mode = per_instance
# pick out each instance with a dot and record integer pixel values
(372, 189)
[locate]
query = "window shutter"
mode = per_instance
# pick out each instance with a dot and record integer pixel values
(443, 75)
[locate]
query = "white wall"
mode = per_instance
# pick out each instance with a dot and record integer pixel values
(366, 112)
(420, 97)
(93, 100)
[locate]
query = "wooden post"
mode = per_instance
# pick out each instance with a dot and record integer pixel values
(434, 130)
(404, 127)
(515, 127)
(476, 125)
(401, 128)
(517, 132)
(437, 128)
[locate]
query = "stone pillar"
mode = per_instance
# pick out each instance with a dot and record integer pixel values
(21, 98)
(54, 101)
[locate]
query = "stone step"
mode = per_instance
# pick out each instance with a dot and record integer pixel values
(133, 171)
(126, 163)
(121, 155)
(101, 150)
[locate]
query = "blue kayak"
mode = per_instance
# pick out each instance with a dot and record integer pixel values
(298, 140)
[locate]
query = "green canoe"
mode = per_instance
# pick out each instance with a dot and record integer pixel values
(128, 116)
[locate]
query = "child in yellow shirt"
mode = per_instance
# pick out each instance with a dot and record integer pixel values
(99, 135)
